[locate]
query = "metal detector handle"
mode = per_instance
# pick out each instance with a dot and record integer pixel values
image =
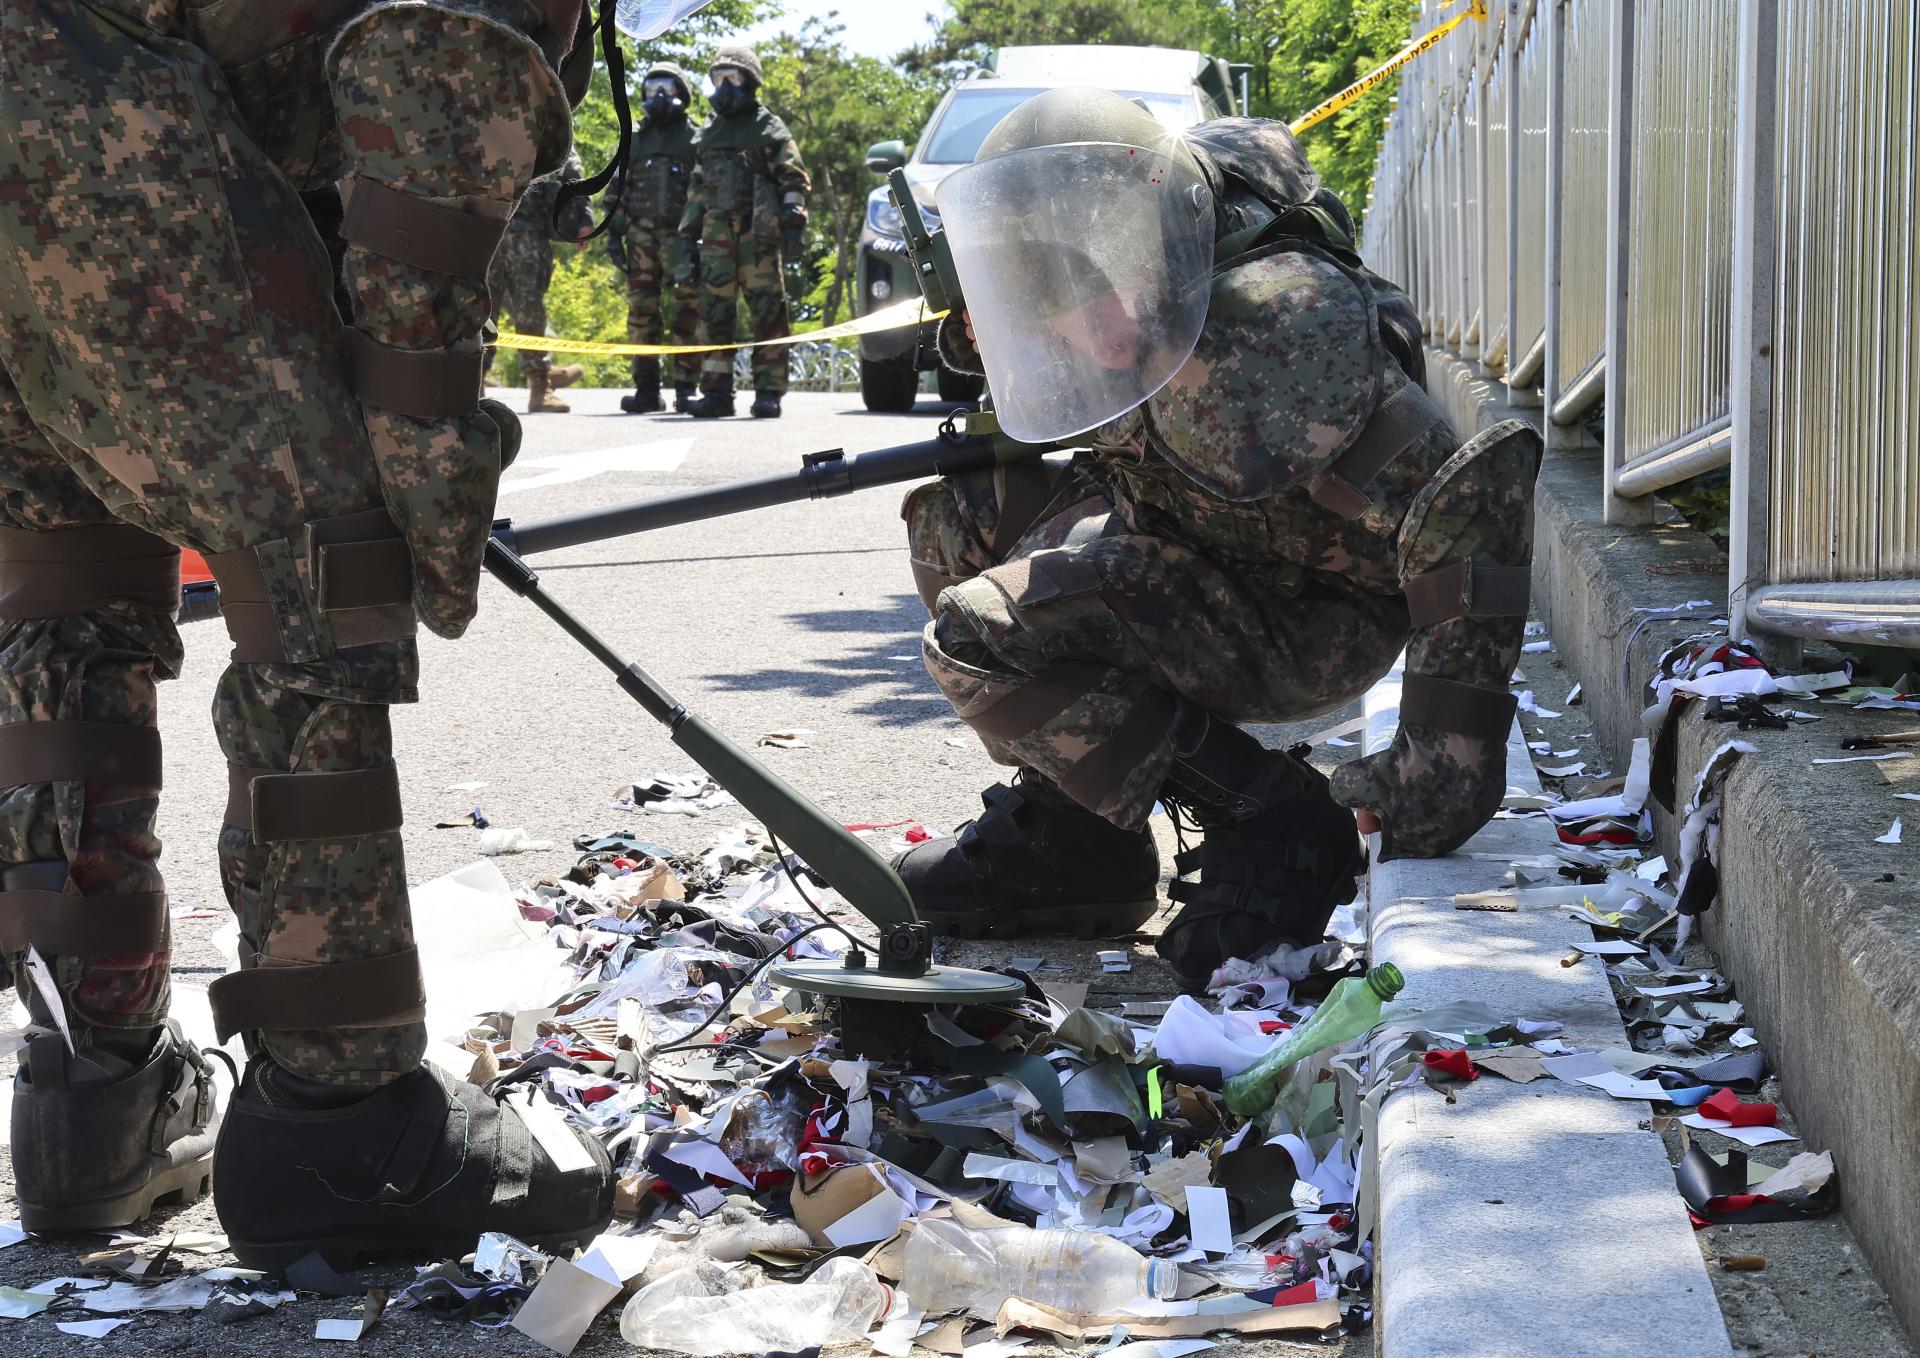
(849, 863)
(931, 256)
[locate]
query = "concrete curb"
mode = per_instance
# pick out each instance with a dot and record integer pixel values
(1523, 1219)
(1815, 922)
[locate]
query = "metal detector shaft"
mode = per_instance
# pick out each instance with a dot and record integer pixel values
(849, 864)
(821, 475)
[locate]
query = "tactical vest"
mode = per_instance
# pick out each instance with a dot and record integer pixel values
(735, 170)
(659, 172)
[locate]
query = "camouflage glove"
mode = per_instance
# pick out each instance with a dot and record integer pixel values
(1431, 789)
(689, 259)
(793, 234)
(617, 249)
(1465, 545)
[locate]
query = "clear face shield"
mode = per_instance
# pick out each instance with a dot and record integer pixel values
(644, 19)
(1086, 269)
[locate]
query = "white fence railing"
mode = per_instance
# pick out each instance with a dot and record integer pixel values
(1696, 216)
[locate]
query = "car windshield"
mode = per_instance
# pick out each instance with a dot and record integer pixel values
(974, 112)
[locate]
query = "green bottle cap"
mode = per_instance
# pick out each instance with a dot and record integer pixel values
(1386, 980)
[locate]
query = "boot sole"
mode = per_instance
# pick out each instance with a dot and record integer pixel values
(185, 1183)
(345, 1252)
(1084, 920)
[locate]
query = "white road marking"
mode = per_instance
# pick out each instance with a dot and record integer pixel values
(663, 456)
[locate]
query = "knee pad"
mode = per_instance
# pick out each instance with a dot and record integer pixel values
(439, 151)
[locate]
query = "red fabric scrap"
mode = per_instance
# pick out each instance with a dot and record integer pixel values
(1271, 1026)
(879, 825)
(1452, 1061)
(1297, 1294)
(1736, 1202)
(1726, 1106)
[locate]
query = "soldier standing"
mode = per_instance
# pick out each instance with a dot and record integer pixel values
(643, 209)
(521, 271)
(746, 209)
(175, 371)
(1269, 508)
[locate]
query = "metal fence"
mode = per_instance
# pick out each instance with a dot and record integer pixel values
(1700, 212)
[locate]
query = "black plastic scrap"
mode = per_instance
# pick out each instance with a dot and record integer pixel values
(1722, 1196)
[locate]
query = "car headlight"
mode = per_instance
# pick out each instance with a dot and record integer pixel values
(882, 216)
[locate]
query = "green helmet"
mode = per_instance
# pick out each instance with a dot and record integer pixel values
(672, 72)
(1082, 235)
(1075, 113)
(742, 58)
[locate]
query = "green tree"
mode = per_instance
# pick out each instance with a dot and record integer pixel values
(1301, 51)
(838, 104)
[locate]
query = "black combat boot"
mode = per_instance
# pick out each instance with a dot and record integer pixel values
(421, 1166)
(644, 401)
(712, 404)
(766, 405)
(1034, 862)
(100, 1138)
(1277, 852)
(683, 398)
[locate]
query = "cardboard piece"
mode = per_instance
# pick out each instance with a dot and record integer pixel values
(1522, 1065)
(848, 1205)
(564, 1303)
(1017, 1313)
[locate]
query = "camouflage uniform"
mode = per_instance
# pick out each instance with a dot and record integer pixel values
(747, 177)
(644, 207)
(1262, 537)
(523, 266)
(174, 372)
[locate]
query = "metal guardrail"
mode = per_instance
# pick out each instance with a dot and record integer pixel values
(1700, 212)
(823, 366)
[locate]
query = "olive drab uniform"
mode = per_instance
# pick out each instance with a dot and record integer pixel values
(1262, 537)
(175, 372)
(644, 207)
(747, 178)
(522, 267)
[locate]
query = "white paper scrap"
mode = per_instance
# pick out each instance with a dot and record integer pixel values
(1576, 1067)
(11, 1234)
(1115, 959)
(88, 1329)
(1536, 647)
(1209, 1219)
(1890, 837)
(1564, 770)
(1744, 1038)
(1863, 758)
(348, 1330)
(878, 1218)
(1682, 988)
(1158, 1348)
(616, 1258)
(1625, 1086)
(563, 1304)
(1746, 1136)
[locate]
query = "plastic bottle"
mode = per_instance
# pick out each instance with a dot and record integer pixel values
(1350, 1009)
(681, 1314)
(950, 1268)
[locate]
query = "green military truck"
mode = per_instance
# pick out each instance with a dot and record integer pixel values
(1180, 87)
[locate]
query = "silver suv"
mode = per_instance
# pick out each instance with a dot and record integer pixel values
(1180, 87)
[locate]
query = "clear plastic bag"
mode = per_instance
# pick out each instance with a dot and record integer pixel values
(839, 1303)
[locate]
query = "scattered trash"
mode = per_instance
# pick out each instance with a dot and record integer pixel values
(679, 795)
(1742, 1263)
(789, 738)
(510, 839)
(1892, 836)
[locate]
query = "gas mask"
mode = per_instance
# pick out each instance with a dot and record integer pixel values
(663, 100)
(731, 92)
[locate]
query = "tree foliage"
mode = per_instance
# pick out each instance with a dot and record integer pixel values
(838, 103)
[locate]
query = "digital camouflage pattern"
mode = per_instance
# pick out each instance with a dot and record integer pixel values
(523, 265)
(171, 356)
(1185, 550)
(643, 209)
(748, 181)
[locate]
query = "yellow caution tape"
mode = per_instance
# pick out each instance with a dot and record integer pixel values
(896, 317)
(1351, 94)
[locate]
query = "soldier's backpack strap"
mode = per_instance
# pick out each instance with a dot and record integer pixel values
(1306, 221)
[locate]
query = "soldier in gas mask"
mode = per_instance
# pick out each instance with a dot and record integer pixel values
(747, 210)
(643, 208)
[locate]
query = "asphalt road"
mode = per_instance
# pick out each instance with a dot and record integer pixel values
(798, 616)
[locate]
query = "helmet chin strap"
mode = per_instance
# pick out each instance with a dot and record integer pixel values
(617, 79)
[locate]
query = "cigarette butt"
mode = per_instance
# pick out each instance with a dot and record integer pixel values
(1742, 1263)
(1572, 958)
